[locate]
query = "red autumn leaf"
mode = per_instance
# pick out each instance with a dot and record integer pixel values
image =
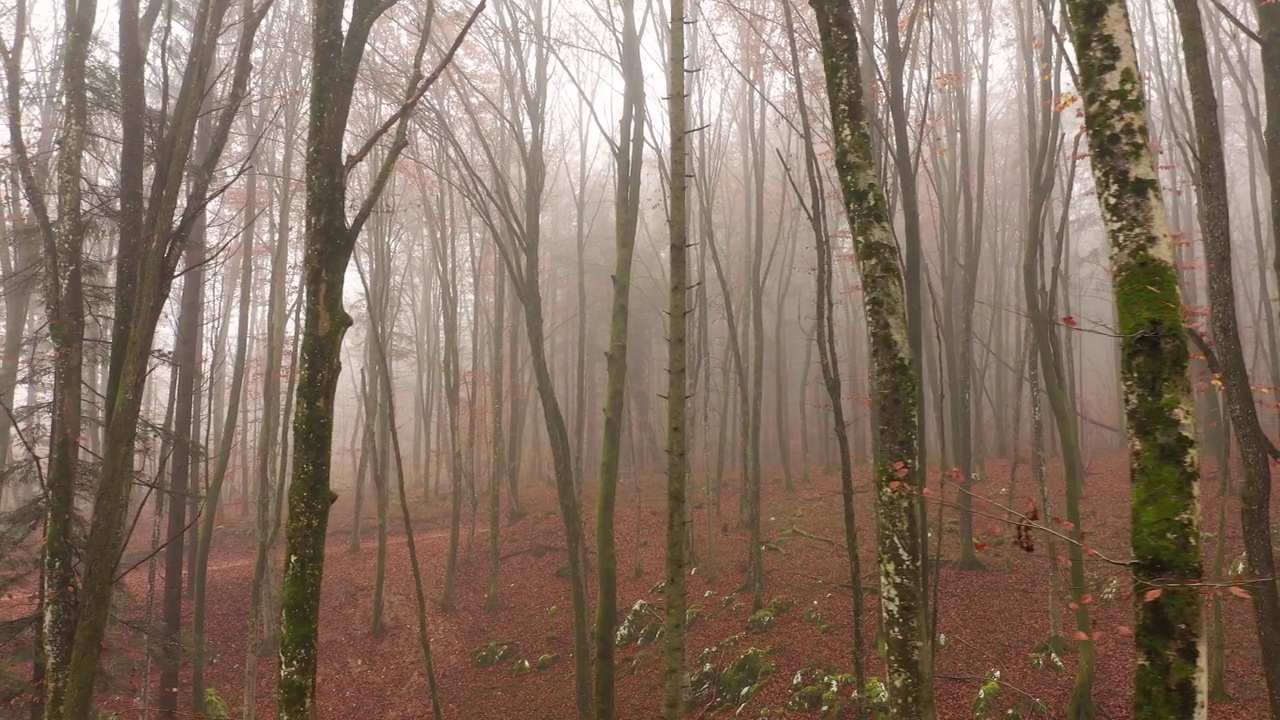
(1080, 635)
(1088, 598)
(1240, 592)
(1124, 630)
(1069, 321)
(1152, 594)
(980, 546)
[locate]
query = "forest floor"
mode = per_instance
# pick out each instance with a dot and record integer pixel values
(992, 618)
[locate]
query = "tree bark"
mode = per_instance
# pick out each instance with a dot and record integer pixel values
(629, 160)
(1165, 530)
(1215, 225)
(673, 655)
(893, 383)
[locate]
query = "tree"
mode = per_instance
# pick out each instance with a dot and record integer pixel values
(628, 154)
(330, 240)
(825, 332)
(1043, 129)
(63, 289)
(893, 387)
(673, 654)
(147, 266)
(1215, 224)
(1163, 466)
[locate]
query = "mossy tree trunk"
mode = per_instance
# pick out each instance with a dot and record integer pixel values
(1215, 227)
(62, 240)
(629, 160)
(673, 655)
(330, 239)
(1164, 473)
(893, 385)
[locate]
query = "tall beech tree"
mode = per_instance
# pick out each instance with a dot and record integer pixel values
(898, 479)
(1164, 472)
(330, 239)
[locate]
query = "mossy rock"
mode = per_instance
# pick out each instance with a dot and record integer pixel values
(546, 661)
(736, 683)
(822, 689)
(641, 626)
(492, 654)
(761, 620)
(214, 706)
(692, 616)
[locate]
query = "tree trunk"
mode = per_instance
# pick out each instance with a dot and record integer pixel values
(187, 359)
(1215, 225)
(894, 388)
(673, 655)
(499, 448)
(828, 357)
(1164, 474)
(629, 158)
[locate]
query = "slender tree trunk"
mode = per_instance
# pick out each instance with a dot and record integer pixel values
(828, 357)
(187, 359)
(214, 495)
(272, 422)
(1215, 224)
(673, 656)
(629, 157)
(499, 447)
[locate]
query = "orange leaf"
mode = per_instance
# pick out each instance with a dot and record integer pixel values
(1240, 592)
(1124, 630)
(1152, 594)
(1080, 635)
